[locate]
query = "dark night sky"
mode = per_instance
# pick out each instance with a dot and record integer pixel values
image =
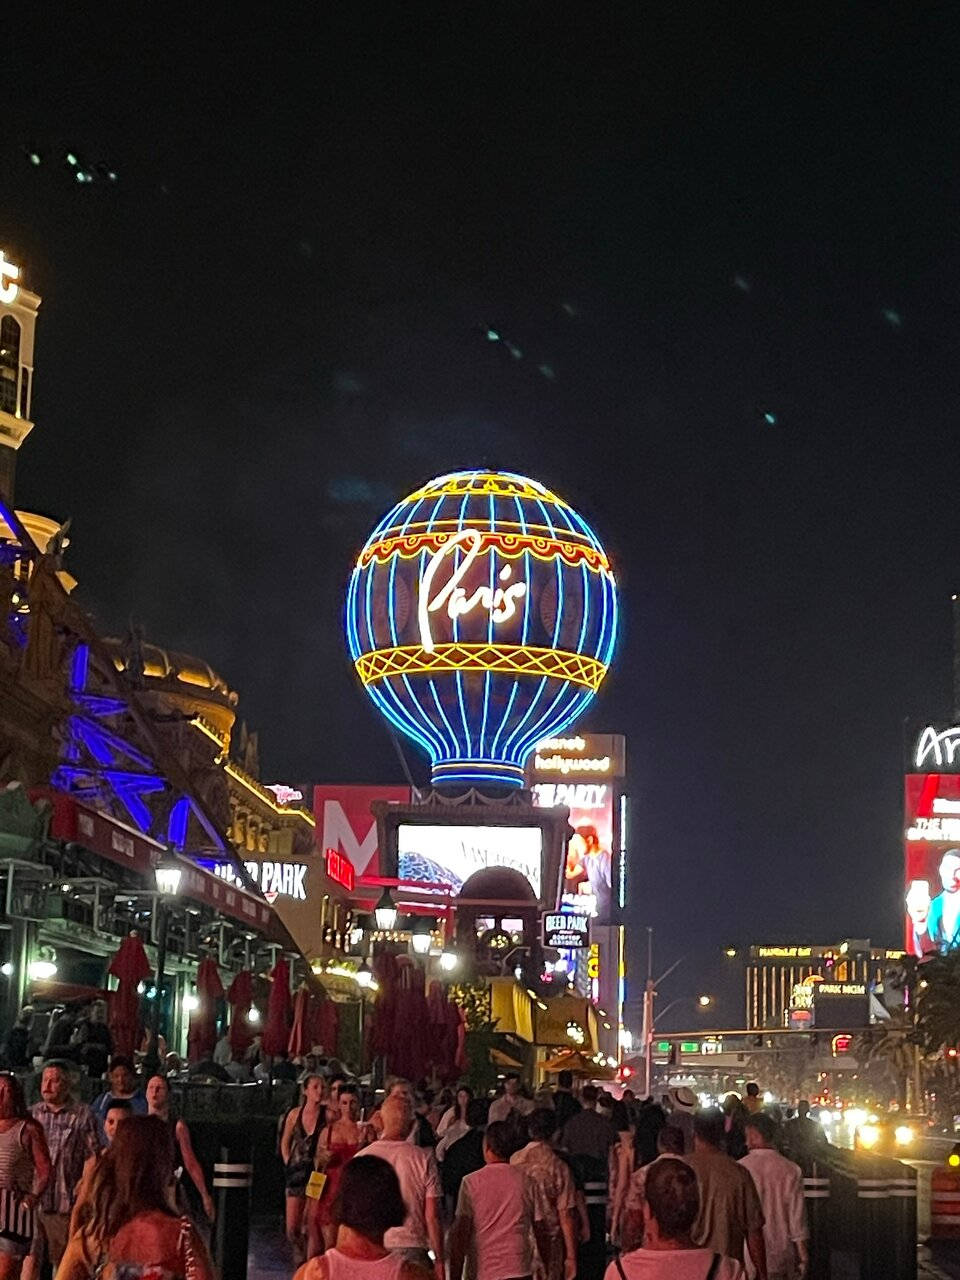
(272, 325)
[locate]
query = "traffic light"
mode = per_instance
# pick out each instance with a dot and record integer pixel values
(953, 1159)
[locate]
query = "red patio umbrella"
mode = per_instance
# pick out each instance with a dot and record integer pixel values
(240, 998)
(130, 966)
(301, 1040)
(202, 1036)
(277, 1031)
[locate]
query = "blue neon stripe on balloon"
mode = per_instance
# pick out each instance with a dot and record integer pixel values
(454, 751)
(486, 678)
(456, 635)
(525, 632)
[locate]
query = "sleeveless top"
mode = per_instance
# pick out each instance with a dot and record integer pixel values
(303, 1151)
(16, 1163)
(340, 1267)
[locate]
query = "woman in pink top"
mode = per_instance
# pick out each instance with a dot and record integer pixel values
(670, 1208)
(368, 1204)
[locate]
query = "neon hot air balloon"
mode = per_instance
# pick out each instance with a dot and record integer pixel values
(481, 617)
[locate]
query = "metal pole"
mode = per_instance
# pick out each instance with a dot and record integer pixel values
(151, 1061)
(648, 1018)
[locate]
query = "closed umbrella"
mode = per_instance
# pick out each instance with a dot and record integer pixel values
(202, 1036)
(240, 997)
(276, 1033)
(131, 967)
(300, 1041)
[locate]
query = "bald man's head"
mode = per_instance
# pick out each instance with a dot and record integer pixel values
(397, 1116)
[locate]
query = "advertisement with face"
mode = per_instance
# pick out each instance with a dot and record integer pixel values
(450, 855)
(932, 862)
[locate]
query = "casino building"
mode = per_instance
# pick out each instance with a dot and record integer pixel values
(797, 986)
(115, 754)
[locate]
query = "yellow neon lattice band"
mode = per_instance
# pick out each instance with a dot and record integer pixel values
(515, 659)
(500, 486)
(511, 546)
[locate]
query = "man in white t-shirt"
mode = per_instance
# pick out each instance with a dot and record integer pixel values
(511, 1100)
(416, 1172)
(496, 1215)
(779, 1184)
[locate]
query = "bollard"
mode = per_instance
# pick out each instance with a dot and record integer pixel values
(903, 1217)
(873, 1225)
(944, 1204)
(816, 1199)
(232, 1180)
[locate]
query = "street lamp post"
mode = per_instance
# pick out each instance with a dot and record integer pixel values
(167, 874)
(649, 994)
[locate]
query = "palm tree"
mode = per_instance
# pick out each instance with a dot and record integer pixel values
(938, 1002)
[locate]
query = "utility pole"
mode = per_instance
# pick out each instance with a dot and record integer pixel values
(649, 995)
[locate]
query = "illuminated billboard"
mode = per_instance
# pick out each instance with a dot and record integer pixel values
(481, 618)
(346, 824)
(450, 855)
(932, 839)
(555, 770)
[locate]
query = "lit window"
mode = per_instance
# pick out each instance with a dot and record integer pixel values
(9, 363)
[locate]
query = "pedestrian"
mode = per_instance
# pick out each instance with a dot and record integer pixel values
(72, 1135)
(621, 1165)
(496, 1221)
(564, 1103)
(283, 1070)
(554, 1197)
(669, 1144)
(650, 1119)
(298, 1149)
(730, 1213)
(682, 1105)
(669, 1251)
(24, 1173)
(59, 1038)
(416, 1170)
(588, 1137)
(734, 1125)
(158, 1101)
(123, 1088)
(510, 1101)
(94, 1040)
(465, 1155)
(456, 1115)
(338, 1143)
(779, 1184)
(132, 1232)
(752, 1102)
(16, 1047)
(368, 1205)
(803, 1137)
(119, 1110)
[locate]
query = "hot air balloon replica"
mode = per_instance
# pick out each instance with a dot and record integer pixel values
(481, 617)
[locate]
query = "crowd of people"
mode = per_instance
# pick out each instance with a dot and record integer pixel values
(84, 1187)
(548, 1187)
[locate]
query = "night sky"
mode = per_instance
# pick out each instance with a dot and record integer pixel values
(721, 252)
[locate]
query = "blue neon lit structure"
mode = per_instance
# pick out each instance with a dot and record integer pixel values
(478, 690)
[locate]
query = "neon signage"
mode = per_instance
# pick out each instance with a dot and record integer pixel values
(340, 869)
(9, 275)
(481, 618)
(276, 879)
(938, 749)
(286, 796)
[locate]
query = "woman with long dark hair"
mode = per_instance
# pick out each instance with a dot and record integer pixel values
(132, 1232)
(24, 1173)
(158, 1104)
(367, 1205)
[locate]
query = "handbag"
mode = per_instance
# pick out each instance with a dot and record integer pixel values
(315, 1184)
(186, 1250)
(17, 1220)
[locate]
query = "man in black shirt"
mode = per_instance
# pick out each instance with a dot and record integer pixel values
(564, 1103)
(466, 1154)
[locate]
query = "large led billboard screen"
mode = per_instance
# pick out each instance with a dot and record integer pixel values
(932, 839)
(582, 773)
(451, 854)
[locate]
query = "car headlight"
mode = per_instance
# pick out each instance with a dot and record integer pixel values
(904, 1135)
(868, 1135)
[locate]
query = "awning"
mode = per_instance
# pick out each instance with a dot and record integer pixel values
(511, 1008)
(564, 1021)
(504, 1060)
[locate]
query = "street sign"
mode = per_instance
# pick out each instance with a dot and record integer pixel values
(566, 930)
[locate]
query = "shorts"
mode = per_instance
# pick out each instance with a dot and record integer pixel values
(50, 1239)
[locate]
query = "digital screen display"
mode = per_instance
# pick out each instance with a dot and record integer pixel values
(588, 869)
(451, 855)
(931, 899)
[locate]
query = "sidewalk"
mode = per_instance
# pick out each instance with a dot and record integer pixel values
(268, 1257)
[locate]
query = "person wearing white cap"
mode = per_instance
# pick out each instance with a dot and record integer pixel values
(683, 1103)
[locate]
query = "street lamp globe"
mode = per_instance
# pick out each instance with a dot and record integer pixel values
(449, 961)
(167, 874)
(420, 936)
(385, 911)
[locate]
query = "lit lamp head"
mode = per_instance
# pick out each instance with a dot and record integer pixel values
(385, 912)
(449, 961)
(167, 873)
(421, 935)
